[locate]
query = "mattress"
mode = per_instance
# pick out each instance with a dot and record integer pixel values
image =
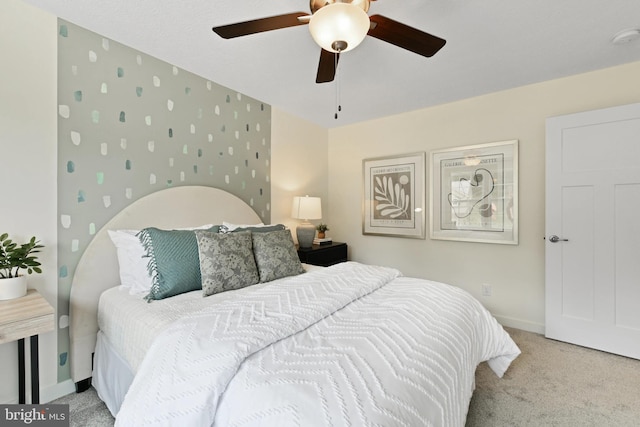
(131, 324)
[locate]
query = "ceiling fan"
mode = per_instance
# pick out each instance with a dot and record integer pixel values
(338, 26)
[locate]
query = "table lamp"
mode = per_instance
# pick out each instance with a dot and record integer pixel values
(306, 208)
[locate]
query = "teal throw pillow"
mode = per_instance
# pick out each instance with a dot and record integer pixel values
(174, 264)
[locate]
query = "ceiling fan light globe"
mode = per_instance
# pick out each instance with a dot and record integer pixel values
(339, 22)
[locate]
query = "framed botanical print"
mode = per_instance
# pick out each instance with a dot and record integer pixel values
(474, 193)
(394, 196)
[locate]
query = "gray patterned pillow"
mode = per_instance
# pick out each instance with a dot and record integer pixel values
(226, 261)
(275, 255)
(253, 229)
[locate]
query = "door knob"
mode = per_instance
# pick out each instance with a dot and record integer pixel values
(556, 239)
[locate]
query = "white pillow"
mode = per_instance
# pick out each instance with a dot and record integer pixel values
(230, 226)
(133, 261)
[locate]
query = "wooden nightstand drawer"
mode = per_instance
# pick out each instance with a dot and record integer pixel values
(324, 255)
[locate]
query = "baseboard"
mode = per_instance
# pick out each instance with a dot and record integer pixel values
(56, 391)
(524, 325)
(48, 394)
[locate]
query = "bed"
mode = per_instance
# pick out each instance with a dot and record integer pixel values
(351, 344)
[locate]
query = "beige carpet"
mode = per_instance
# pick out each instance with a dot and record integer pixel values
(557, 384)
(549, 384)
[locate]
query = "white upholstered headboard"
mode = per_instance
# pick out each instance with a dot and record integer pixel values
(97, 269)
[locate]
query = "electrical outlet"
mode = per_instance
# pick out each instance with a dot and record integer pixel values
(486, 290)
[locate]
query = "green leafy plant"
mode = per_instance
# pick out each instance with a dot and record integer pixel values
(14, 257)
(322, 227)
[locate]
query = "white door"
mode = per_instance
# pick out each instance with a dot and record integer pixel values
(592, 241)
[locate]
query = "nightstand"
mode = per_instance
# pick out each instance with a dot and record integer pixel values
(24, 317)
(323, 255)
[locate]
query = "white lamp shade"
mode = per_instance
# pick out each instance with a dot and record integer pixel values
(339, 22)
(306, 208)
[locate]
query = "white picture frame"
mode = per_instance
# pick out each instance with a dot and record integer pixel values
(474, 193)
(394, 196)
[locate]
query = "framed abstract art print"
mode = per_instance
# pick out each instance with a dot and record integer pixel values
(474, 193)
(394, 196)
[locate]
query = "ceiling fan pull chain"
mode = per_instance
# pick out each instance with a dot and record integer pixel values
(338, 106)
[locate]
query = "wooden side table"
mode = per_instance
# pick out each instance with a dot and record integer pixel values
(26, 317)
(323, 255)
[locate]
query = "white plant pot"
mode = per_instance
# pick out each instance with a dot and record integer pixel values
(14, 287)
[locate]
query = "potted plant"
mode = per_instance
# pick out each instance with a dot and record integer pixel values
(13, 259)
(322, 228)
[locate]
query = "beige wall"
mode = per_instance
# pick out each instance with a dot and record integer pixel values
(298, 165)
(516, 273)
(28, 153)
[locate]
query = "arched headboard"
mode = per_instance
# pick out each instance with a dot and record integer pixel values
(97, 270)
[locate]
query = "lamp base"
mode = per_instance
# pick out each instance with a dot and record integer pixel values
(305, 233)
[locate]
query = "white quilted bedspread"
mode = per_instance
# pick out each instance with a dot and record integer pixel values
(349, 345)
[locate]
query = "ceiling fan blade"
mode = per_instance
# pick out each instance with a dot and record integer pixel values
(327, 66)
(259, 25)
(404, 36)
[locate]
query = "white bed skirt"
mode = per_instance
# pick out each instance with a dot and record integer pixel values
(112, 375)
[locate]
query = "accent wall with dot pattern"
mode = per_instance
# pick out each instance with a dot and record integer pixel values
(130, 125)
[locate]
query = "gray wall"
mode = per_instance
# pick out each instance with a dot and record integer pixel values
(130, 125)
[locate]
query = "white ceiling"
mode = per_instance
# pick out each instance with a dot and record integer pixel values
(491, 45)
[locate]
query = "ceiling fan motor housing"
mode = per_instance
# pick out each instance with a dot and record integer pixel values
(316, 5)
